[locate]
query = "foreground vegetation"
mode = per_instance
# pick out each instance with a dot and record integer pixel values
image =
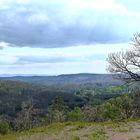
(124, 130)
(126, 106)
(30, 110)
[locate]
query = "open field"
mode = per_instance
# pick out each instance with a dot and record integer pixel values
(126, 130)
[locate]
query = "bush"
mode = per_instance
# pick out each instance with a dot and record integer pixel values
(76, 138)
(75, 115)
(4, 127)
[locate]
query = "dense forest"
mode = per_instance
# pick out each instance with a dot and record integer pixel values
(24, 106)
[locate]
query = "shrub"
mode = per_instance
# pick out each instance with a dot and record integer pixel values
(75, 115)
(4, 127)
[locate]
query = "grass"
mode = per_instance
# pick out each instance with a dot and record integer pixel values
(41, 130)
(98, 135)
(75, 138)
(123, 130)
(137, 138)
(75, 131)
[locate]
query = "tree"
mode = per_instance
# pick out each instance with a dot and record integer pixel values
(90, 113)
(57, 111)
(25, 116)
(124, 105)
(126, 65)
(4, 127)
(110, 111)
(136, 103)
(75, 115)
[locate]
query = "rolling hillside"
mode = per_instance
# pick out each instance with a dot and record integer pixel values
(69, 83)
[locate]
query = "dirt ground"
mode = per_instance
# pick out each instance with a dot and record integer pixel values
(107, 131)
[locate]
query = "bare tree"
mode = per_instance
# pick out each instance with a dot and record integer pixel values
(24, 117)
(125, 65)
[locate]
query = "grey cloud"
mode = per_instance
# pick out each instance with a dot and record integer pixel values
(15, 27)
(59, 59)
(43, 59)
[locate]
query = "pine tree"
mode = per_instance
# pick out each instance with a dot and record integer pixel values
(57, 112)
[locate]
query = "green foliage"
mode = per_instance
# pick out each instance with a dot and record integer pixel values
(58, 104)
(136, 104)
(75, 115)
(90, 113)
(24, 118)
(4, 127)
(57, 111)
(123, 107)
(75, 138)
(98, 135)
(31, 113)
(99, 94)
(13, 94)
(110, 111)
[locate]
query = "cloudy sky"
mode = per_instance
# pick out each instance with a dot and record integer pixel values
(50, 37)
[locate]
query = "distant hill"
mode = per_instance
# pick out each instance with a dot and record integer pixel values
(70, 82)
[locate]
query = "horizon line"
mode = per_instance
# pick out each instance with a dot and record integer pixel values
(22, 75)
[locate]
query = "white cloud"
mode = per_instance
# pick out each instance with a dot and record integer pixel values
(4, 45)
(101, 5)
(90, 58)
(38, 18)
(8, 59)
(50, 69)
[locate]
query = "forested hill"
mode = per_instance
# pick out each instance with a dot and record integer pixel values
(69, 82)
(13, 94)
